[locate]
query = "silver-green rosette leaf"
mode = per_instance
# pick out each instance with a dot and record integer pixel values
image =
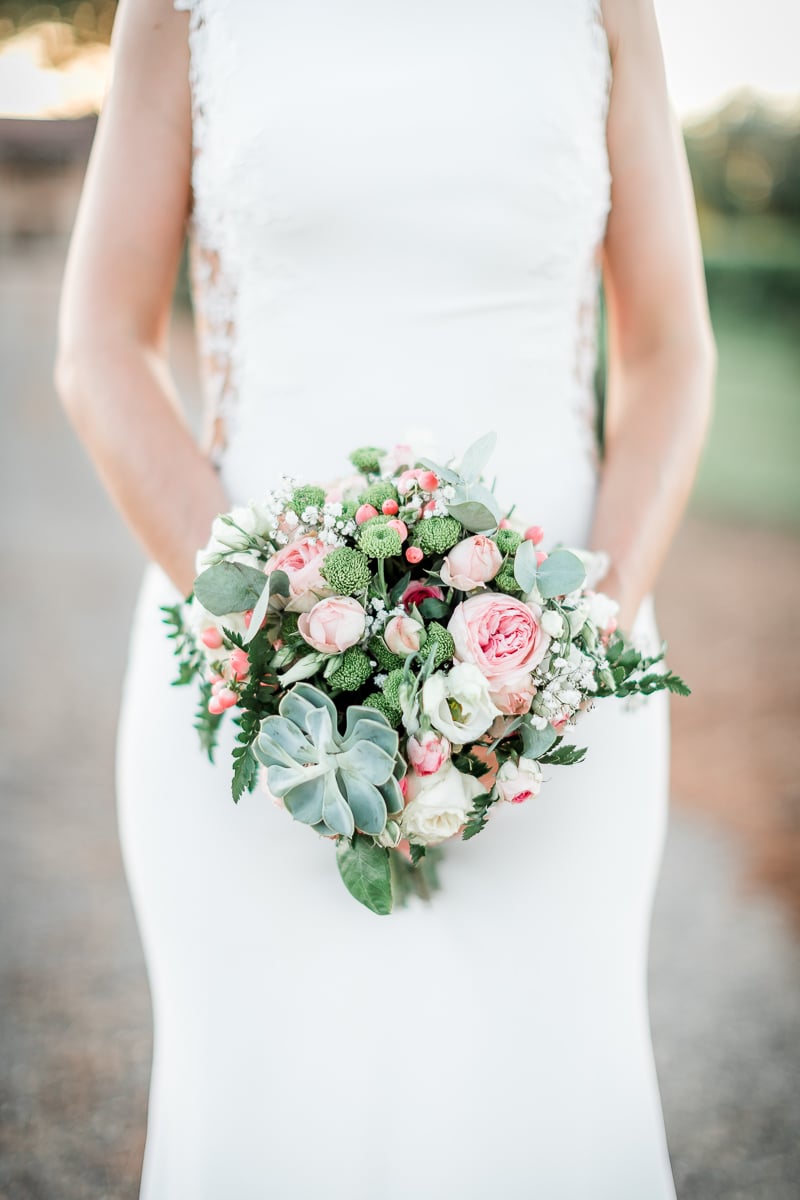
(335, 782)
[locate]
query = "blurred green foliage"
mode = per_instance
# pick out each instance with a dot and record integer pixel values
(91, 20)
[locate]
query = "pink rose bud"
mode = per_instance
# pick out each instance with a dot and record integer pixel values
(215, 706)
(519, 782)
(211, 637)
(413, 554)
(240, 663)
(390, 508)
(540, 557)
(365, 513)
(471, 563)
(402, 635)
(503, 523)
(428, 481)
(400, 527)
(534, 533)
(428, 752)
(333, 624)
(227, 697)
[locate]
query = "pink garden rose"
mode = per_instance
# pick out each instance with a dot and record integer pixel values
(301, 561)
(427, 752)
(500, 635)
(416, 592)
(402, 635)
(333, 624)
(517, 782)
(472, 563)
(515, 696)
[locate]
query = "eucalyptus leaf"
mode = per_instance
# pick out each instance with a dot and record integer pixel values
(277, 585)
(444, 473)
(477, 456)
(536, 742)
(475, 507)
(560, 573)
(229, 587)
(431, 608)
(525, 565)
(366, 873)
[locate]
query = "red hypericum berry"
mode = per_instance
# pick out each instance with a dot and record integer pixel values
(428, 481)
(540, 557)
(390, 508)
(215, 706)
(534, 533)
(227, 697)
(211, 637)
(414, 554)
(240, 663)
(365, 513)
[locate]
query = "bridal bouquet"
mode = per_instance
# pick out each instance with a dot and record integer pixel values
(399, 657)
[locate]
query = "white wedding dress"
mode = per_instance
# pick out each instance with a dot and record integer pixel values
(397, 215)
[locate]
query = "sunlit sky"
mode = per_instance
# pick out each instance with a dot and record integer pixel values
(711, 48)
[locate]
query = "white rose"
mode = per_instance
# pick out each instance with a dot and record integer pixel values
(518, 782)
(552, 623)
(438, 805)
(602, 610)
(469, 690)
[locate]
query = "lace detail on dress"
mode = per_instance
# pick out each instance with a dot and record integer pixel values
(211, 256)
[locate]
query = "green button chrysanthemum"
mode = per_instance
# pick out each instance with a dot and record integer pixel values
(346, 570)
(379, 541)
(507, 540)
(376, 493)
(367, 459)
(379, 702)
(506, 582)
(437, 535)
(441, 639)
(306, 497)
(383, 655)
(353, 671)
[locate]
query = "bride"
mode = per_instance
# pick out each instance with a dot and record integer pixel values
(398, 216)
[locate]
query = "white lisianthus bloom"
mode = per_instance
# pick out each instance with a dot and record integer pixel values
(518, 782)
(438, 805)
(458, 704)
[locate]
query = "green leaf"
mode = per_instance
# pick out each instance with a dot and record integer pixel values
(245, 769)
(366, 873)
(525, 565)
(479, 815)
(431, 608)
(536, 742)
(475, 507)
(564, 756)
(277, 584)
(477, 456)
(560, 573)
(229, 587)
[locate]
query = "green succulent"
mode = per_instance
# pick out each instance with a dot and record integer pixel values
(377, 492)
(353, 671)
(437, 535)
(379, 541)
(346, 570)
(335, 782)
(441, 639)
(307, 497)
(377, 701)
(384, 657)
(507, 540)
(366, 460)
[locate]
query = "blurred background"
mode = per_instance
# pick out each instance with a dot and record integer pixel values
(725, 969)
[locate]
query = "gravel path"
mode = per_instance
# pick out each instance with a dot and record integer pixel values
(75, 1036)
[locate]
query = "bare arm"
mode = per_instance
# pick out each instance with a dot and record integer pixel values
(112, 372)
(661, 349)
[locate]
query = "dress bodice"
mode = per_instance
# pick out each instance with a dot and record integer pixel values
(397, 213)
